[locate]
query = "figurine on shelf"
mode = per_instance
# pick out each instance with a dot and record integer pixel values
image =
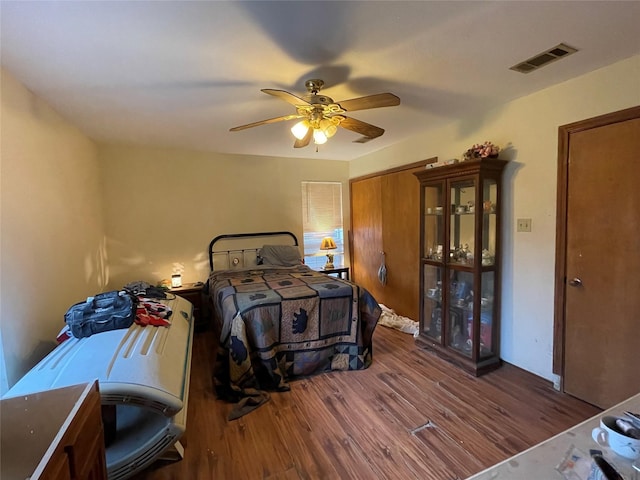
(456, 337)
(461, 254)
(471, 207)
(487, 258)
(466, 253)
(468, 346)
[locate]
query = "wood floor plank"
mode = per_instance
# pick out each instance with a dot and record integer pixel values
(304, 445)
(462, 424)
(387, 445)
(374, 439)
(330, 438)
(409, 415)
(260, 451)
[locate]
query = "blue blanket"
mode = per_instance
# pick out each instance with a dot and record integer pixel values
(279, 323)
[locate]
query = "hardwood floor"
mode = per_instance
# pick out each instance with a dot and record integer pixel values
(410, 415)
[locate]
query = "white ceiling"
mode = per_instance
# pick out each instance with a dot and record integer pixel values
(182, 73)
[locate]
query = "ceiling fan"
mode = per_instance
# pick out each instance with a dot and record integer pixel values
(321, 116)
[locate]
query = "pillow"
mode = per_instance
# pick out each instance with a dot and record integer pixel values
(280, 255)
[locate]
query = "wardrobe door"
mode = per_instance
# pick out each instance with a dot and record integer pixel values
(366, 234)
(385, 209)
(401, 241)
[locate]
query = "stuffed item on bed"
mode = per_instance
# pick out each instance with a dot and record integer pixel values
(279, 323)
(279, 255)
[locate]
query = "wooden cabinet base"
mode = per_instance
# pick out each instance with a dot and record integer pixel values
(474, 368)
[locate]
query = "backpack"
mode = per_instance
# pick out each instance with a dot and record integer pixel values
(102, 312)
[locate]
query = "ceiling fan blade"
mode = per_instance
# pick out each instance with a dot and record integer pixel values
(286, 96)
(371, 101)
(264, 122)
(305, 141)
(363, 128)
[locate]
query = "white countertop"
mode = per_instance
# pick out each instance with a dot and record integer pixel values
(540, 461)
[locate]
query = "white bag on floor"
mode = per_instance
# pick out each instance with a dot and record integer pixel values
(390, 319)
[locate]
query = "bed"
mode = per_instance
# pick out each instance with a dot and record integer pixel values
(279, 320)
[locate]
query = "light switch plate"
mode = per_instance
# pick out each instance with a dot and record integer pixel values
(523, 225)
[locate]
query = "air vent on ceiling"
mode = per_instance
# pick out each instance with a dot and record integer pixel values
(544, 58)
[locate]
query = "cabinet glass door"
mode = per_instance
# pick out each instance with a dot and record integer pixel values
(489, 219)
(461, 311)
(432, 302)
(433, 222)
(462, 223)
(487, 315)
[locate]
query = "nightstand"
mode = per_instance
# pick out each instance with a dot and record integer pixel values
(341, 272)
(193, 292)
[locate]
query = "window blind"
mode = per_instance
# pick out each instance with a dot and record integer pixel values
(322, 217)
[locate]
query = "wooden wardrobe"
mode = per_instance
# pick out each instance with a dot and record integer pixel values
(385, 217)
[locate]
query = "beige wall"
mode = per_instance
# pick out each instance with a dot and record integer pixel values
(164, 206)
(52, 244)
(528, 127)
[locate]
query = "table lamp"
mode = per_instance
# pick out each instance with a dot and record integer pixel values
(328, 244)
(176, 277)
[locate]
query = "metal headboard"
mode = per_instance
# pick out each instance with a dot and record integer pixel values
(242, 251)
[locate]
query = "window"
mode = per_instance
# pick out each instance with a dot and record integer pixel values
(322, 217)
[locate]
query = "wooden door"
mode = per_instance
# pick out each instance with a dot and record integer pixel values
(366, 234)
(401, 241)
(602, 290)
(385, 216)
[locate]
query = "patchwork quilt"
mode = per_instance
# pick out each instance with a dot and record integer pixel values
(278, 323)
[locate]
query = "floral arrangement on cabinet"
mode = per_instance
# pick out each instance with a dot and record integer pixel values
(481, 150)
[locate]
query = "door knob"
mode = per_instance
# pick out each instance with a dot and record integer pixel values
(575, 282)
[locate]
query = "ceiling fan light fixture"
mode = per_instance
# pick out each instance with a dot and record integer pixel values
(330, 131)
(321, 116)
(300, 129)
(319, 136)
(328, 127)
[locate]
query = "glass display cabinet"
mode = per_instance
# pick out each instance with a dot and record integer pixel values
(460, 262)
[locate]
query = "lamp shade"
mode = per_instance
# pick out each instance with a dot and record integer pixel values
(328, 127)
(300, 129)
(319, 137)
(327, 244)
